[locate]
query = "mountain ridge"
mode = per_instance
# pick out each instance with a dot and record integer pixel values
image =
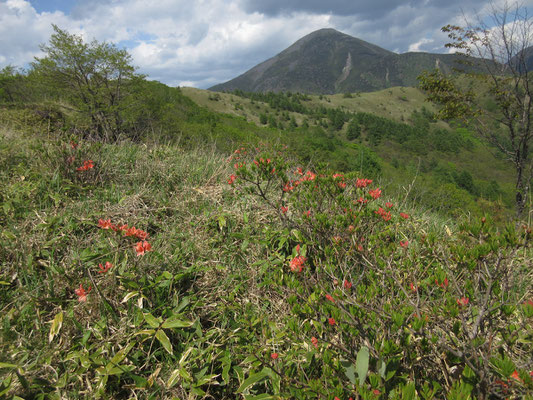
(327, 61)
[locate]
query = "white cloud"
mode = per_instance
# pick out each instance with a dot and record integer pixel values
(205, 42)
(416, 46)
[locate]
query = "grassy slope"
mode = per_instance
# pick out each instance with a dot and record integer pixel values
(392, 103)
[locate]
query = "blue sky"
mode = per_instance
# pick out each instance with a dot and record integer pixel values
(203, 42)
(53, 5)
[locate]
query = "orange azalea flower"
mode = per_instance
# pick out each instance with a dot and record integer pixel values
(444, 284)
(284, 209)
(347, 284)
(515, 376)
(231, 179)
(123, 228)
(82, 293)
(297, 264)
(404, 215)
(331, 321)
(361, 183)
(376, 193)
(131, 231)
(309, 176)
(141, 234)
(274, 356)
(142, 247)
(103, 269)
(404, 244)
(87, 164)
(330, 298)
(105, 223)
(314, 341)
(463, 301)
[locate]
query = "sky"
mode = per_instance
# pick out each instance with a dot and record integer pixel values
(201, 43)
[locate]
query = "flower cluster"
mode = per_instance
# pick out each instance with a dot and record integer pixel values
(82, 293)
(292, 184)
(140, 247)
(297, 264)
(87, 164)
(104, 269)
(463, 301)
(138, 233)
(361, 182)
(386, 215)
(375, 193)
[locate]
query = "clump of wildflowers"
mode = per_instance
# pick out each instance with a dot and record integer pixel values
(142, 247)
(104, 269)
(82, 293)
(87, 164)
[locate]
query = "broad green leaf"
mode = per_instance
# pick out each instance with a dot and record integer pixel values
(382, 368)
(226, 366)
(185, 375)
(361, 364)
(120, 369)
(408, 392)
(185, 355)
(173, 378)
(56, 326)
(275, 379)
(129, 295)
(264, 396)
(117, 358)
(164, 340)
(88, 255)
(252, 379)
(208, 379)
(349, 370)
(175, 322)
(146, 332)
(6, 365)
(151, 320)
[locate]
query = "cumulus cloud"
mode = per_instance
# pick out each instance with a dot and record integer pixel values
(205, 42)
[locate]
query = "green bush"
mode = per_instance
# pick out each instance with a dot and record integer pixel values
(378, 308)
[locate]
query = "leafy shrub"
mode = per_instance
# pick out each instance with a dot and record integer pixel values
(379, 308)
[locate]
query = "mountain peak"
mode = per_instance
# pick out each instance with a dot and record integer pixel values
(328, 61)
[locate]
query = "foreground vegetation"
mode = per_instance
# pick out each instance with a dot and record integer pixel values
(258, 280)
